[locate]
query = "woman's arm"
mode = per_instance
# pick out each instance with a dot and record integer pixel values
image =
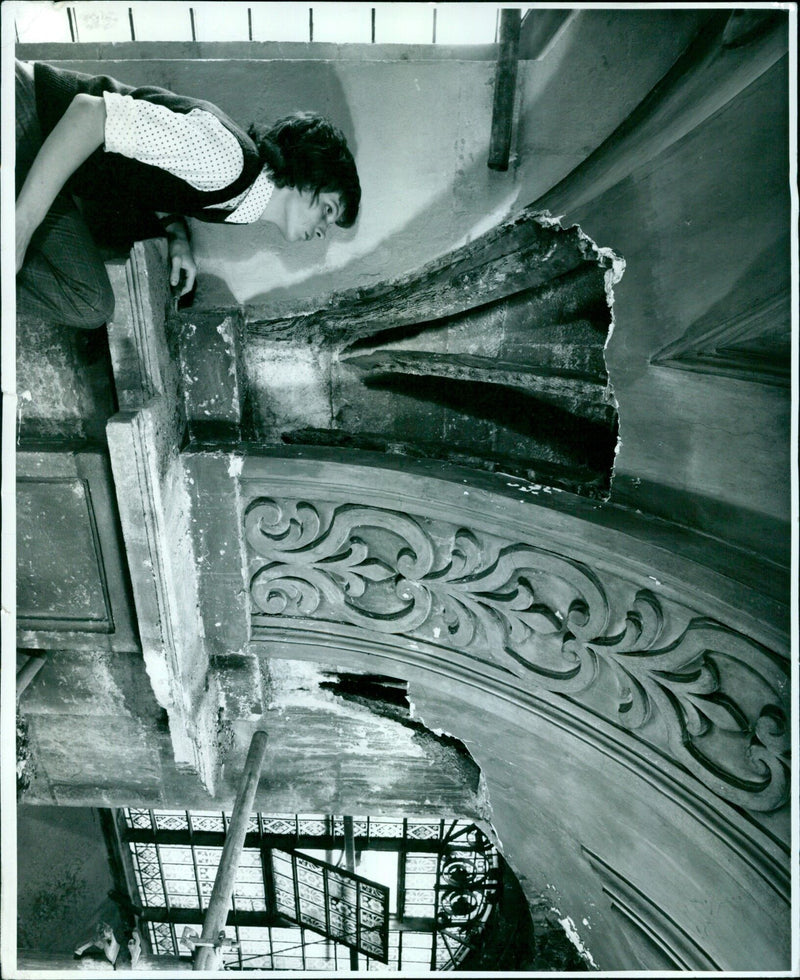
(78, 133)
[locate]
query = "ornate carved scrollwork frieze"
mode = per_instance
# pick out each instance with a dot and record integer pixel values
(715, 700)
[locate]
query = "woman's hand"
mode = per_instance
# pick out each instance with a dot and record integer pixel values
(181, 260)
(179, 251)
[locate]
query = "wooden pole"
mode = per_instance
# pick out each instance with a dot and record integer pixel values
(29, 670)
(505, 87)
(220, 901)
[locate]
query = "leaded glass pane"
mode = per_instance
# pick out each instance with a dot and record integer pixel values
(251, 961)
(207, 820)
(246, 874)
(206, 872)
(161, 939)
(449, 951)
(385, 828)
(287, 945)
(175, 854)
(312, 828)
(318, 960)
(284, 900)
(248, 889)
(282, 861)
(254, 936)
(178, 887)
(420, 896)
(171, 820)
(250, 858)
(370, 919)
(420, 863)
(423, 831)
(370, 940)
(278, 825)
(416, 882)
(348, 898)
(375, 966)
(138, 819)
(249, 904)
(314, 917)
(153, 893)
(184, 901)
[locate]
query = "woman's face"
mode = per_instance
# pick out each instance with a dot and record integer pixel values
(308, 216)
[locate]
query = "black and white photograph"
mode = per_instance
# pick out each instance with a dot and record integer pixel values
(399, 489)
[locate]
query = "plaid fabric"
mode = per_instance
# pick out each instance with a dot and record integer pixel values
(63, 278)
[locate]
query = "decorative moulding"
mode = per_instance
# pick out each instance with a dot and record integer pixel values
(744, 346)
(530, 618)
(681, 950)
(154, 507)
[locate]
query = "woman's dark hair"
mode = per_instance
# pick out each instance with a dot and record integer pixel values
(305, 151)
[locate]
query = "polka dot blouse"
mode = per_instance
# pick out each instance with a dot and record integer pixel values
(193, 146)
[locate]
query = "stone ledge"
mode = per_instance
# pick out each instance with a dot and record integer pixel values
(155, 508)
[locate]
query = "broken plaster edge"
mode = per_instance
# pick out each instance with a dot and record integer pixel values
(484, 808)
(483, 803)
(573, 935)
(615, 266)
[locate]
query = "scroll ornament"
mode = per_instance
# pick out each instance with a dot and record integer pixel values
(717, 700)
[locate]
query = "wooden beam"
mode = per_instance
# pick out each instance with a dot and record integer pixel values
(505, 86)
(219, 903)
(29, 670)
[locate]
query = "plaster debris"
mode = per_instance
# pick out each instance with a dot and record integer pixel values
(548, 220)
(530, 488)
(572, 934)
(224, 332)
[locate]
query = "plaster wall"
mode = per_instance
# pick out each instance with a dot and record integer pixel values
(63, 876)
(418, 120)
(545, 788)
(107, 743)
(693, 192)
